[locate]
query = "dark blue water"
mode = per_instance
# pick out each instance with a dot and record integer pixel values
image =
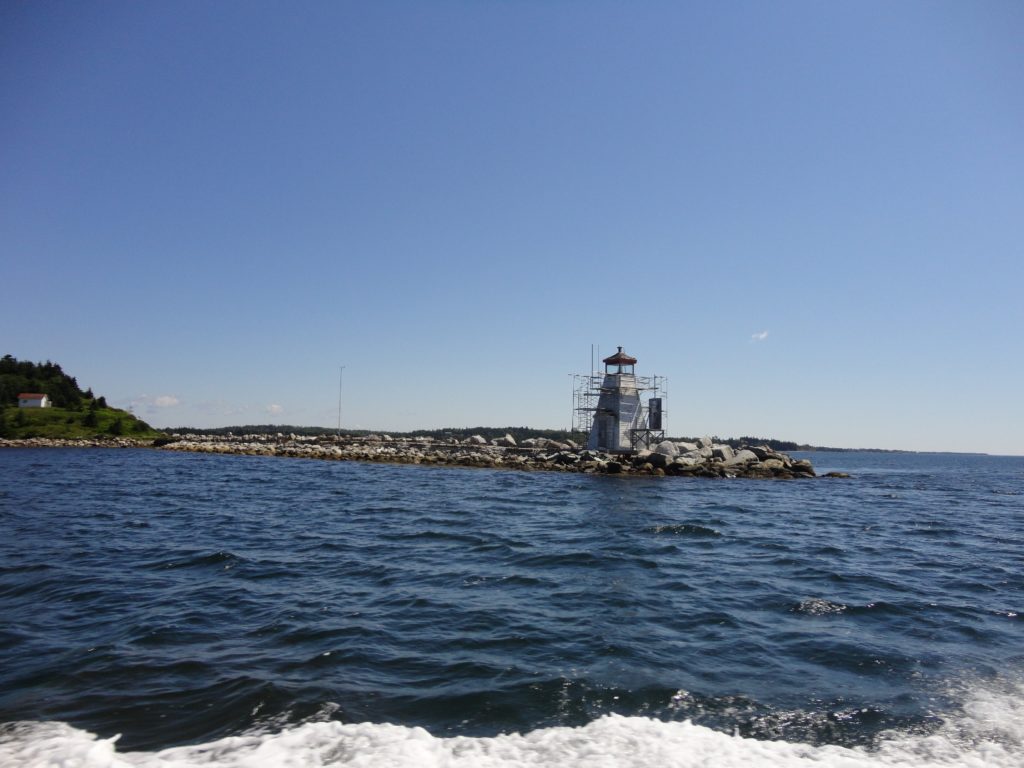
(179, 599)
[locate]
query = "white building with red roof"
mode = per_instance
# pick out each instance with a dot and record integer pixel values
(33, 400)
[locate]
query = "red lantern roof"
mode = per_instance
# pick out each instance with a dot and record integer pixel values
(619, 358)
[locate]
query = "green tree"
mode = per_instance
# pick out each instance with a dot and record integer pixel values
(116, 427)
(17, 376)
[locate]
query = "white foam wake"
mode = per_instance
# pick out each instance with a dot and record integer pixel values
(988, 732)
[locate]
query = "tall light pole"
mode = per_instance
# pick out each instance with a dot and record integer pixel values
(572, 414)
(341, 382)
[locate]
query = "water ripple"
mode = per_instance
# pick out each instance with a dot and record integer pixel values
(179, 598)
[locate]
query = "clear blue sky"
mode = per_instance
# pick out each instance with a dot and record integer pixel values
(808, 216)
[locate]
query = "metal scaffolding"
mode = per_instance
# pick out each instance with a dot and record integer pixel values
(650, 430)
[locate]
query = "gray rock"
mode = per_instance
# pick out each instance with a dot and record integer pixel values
(476, 440)
(667, 448)
(685, 461)
(741, 457)
(803, 465)
(723, 452)
(659, 460)
(704, 442)
(686, 447)
(506, 442)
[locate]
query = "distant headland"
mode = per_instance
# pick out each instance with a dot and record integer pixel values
(39, 400)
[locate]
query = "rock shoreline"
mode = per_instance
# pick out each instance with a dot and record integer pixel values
(701, 459)
(85, 442)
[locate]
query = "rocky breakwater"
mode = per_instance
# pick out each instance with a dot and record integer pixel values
(701, 459)
(85, 442)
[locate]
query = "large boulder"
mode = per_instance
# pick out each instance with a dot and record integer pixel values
(659, 460)
(741, 457)
(476, 440)
(506, 442)
(704, 442)
(667, 448)
(803, 467)
(723, 452)
(685, 461)
(686, 447)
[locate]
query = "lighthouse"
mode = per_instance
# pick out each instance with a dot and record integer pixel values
(622, 422)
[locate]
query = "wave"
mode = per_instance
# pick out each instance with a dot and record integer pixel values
(988, 730)
(684, 529)
(197, 559)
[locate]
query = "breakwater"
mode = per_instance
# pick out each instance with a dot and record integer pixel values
(701, 459)
(86, 442)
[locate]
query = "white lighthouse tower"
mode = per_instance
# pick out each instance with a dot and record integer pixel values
(622, 422)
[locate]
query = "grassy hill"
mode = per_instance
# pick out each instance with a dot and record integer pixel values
(71, 423)
(76, 414)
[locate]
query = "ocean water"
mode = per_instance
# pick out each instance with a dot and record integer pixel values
(163, 609)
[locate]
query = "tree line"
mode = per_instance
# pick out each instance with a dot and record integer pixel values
(18, 376)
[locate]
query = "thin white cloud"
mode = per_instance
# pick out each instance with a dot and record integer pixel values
(221, 408)
(274, 409)
(759, 336)
(152, 403)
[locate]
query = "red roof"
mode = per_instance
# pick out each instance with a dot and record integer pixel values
(30, 396)
(619, 358)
